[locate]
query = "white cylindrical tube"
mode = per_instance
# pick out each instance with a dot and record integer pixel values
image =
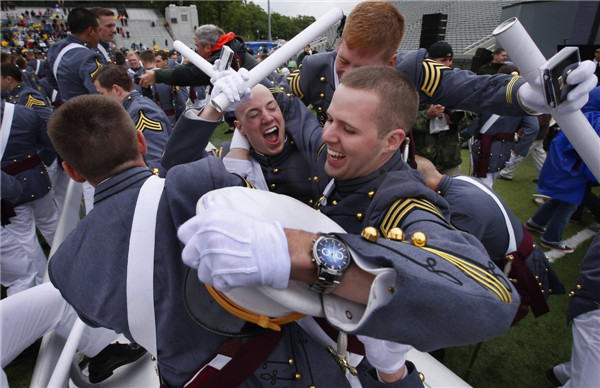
(196, 59)
(273, 61)
(512, 36)
(63, 365)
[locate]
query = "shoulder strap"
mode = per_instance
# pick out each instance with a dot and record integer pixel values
(512, 243)
(489, 123)
(7, 118)
(62, 52)
(140, 265)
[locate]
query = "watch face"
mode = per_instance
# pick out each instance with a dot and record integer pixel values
(332, 253)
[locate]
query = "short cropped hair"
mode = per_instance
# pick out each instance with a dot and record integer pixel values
(147, 56)
(373, 26)
(94, 134)
(499, 51)
(132, 53)
(8, 69)
(163, 54)
(114, 75)
(508, 69)
(208, 34)
(120, 58)
(80, 19)
(99, 11)
(20, 62)
(398, 97)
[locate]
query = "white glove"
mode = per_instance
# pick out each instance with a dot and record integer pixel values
(230, 249)
(385, 356)
(233, 86)
(239, 141)
(218, 74)
(532, 96)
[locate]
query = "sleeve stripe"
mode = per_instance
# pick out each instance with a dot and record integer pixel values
(402, 208)
(31, 101)
(320, 150)
(145, 123)
(478, 274)
(509, 88)
(294, 81)
(433, 76)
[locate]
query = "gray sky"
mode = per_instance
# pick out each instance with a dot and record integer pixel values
(314, 8)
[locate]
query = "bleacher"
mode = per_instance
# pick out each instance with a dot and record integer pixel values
(139, 25)
(468, 21)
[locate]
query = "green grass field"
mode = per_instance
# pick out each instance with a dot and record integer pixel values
(517, 359)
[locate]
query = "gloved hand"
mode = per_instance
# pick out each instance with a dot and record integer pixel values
(239, 141)
(385, 356)
(532, 96)
(233, 85)
(218, 74)
(230, 249)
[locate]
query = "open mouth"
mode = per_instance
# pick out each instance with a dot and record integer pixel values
(272, 135)
(334, 155)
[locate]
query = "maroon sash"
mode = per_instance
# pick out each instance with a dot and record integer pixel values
(485, 147)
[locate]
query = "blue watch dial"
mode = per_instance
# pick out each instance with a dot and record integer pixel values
(333, 254)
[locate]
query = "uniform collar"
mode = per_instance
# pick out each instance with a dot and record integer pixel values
(275, 160)
(132, 177)
(130, 97)
(75, 39)
(444, 185)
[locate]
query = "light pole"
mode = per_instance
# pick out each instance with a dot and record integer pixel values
(269, 12)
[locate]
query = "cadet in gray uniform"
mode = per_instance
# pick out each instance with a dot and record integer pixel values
(113, 81)
(15, 91)
(106, 23)
(479, 211)
(28, 151)
(73, 61)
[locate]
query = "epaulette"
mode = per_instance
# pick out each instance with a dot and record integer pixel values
(294, 82)
(218, 152)
(32, 101)
(509, 88)
(276, 90)
(98, 67)
(402, 208)
(432, 71)
(145, 123)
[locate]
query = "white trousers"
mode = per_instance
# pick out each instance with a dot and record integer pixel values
(45, 214)
(584, 368)
(31, 314)
(22, 227)
(18, 273)
(537, 154)
(60, 181)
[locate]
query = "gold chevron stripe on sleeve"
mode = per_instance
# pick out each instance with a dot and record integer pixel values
(145, 123)
(402, 208)
(275, 90)
(432, 71)
(218, 152)
(478, 274)
(32, 101)
(98, 67)
(294, 81)
(509, 88)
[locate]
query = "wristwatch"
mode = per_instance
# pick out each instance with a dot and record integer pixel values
(333, 259)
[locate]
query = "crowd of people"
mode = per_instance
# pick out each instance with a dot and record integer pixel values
(377, 159)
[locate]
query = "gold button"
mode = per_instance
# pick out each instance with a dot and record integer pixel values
(32, 196)
(275, 171)
(542, 291)
(579, 287)
(396, 234)
(500, 155)
(550, 290)
(14, 160)
(152, 358)
(41, 173)
(540, 284)
(334, 202)
(272, 186)
(292, 142)
(24, 179)
(537, 278)
(322, 95)
(155, 171)
(571, 293)
(291, 361)
(371, 193)
(297, 376)
(360, 216)
(289, 95)
(282, 88)
(320, 109)
(370, 234)
(510, 258)
(310, 201)
(419, 239)
(322, 79)
(421, 376)
(49, 187)
(29, 156)
(316, 179)
(391, 289)
(533, 245)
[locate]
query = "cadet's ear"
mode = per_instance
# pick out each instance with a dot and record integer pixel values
(392, 60)
(238, 126)
(76, 176)
(395, 138)
(141, 140)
